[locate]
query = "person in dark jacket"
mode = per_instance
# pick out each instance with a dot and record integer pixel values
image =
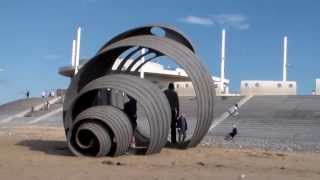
(174, 105)
(130, 108)
(27, 94)
(232, 134)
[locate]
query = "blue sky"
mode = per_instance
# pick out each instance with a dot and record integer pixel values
(36, 37)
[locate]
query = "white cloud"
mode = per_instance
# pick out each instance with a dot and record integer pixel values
(237, 21)
(1, 70)
(197, 20)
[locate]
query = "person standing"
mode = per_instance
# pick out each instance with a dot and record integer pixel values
(174, 105)
(130, 108)
(28, 94)
(47, 105)
(235, 115)
(43, 94)
(235, 111)
(182, 127)
(53, 94)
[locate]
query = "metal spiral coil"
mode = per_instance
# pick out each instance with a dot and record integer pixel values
(93, 116)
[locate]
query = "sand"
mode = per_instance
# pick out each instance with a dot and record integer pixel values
(33, 152)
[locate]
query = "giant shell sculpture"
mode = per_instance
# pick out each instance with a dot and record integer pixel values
(94, 121)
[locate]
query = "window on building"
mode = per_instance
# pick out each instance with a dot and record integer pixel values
(177, 85)
(290, 85)
(187, 85)
(257, 85)
(279, 85)
(246, 85)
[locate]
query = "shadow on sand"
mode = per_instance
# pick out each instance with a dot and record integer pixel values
(182, 145)
(51, 147)
(60, 148)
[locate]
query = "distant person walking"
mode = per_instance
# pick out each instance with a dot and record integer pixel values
(182, 127)
(43, 94)
(27, 94)
(174, 105)
(53, 94)
(235, 114)
(130, 108)
(232, 134)
(235, 111)
(47, 105)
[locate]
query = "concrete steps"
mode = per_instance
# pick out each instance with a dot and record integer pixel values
(22, 108)
(276, 117)
(51, 120)
(44, 110)
(17, 107)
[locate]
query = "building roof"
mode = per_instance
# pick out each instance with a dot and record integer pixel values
(150, 68)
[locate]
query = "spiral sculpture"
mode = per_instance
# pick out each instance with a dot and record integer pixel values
(93, 116)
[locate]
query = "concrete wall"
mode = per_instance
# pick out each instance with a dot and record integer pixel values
(186, 88)
(256, 87)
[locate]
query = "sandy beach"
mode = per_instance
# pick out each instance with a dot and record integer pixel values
(34, 152)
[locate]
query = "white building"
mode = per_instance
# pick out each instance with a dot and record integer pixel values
(155, 72)
(259, 87)
(160, 75)
(317, 90)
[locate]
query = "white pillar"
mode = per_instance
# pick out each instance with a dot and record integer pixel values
(223, 44)
(73, 53)
(77, 59)
(285, 53)
(143, 51)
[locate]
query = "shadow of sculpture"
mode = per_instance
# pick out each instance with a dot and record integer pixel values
(52, 147)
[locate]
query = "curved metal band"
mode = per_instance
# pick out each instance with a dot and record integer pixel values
(198, 74)
(153, 101)
(114, 119)
(170, 33)
(97, 74)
